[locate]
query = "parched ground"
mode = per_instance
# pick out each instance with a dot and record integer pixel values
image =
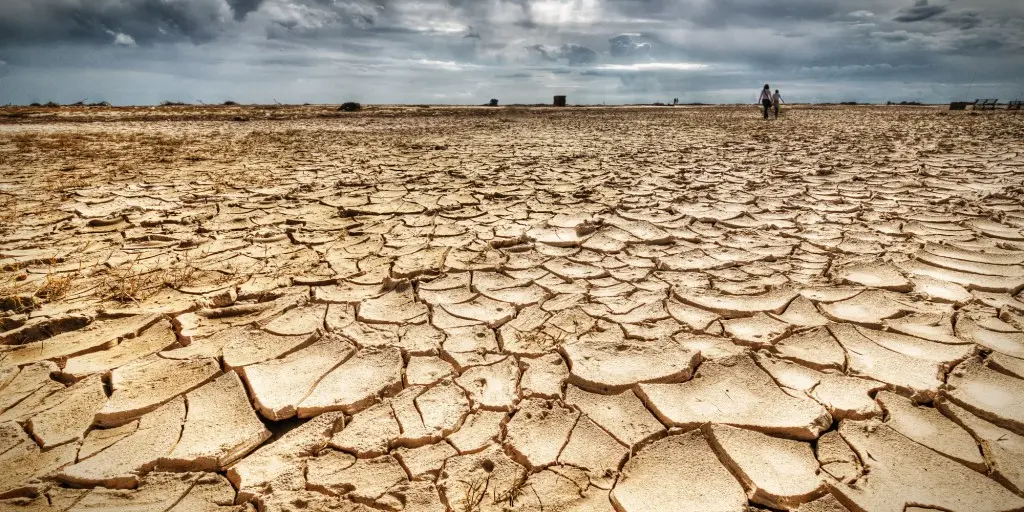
(472, 309)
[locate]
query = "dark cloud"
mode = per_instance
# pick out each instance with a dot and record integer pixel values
(894, 37)
(577, 54)
(543, 52)
(727, 13)
(623, 47)
(471, 50)
(919, 12)
(143, 20)
(572, 53)
(962, 20)
(241, 8)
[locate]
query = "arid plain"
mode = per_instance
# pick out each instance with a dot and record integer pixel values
(477, 309)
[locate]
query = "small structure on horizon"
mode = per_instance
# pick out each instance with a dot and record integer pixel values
(559, 101)
(675, 101)
(494, 102)
(985, 104)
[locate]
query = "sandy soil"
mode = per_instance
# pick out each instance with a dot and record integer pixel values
(474, 309)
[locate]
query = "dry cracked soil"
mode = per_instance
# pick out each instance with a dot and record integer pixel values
(467, 309)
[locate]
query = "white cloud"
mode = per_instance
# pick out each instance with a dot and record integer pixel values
(121, 39)
(124, 40)
(446, 65)
(443, 27)
(562, 12)
(654, 66)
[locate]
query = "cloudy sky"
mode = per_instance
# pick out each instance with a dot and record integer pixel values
(519, 51)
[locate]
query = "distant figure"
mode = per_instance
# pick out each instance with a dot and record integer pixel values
(776, 99)
(766, 99)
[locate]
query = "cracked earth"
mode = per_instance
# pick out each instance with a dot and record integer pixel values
(444, 309)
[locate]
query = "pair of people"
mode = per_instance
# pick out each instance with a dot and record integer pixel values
(769, 100)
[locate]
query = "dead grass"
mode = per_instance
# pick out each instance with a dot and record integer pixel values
(127, 284)
(55, 287)
(542, 339)
(510, 495)
(182, 274)
(473, 494)
(65, 182)
(16, 295)
(9, 211)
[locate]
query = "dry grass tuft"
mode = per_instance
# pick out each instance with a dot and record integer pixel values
(473, 494)
(127, 284)
(511, 494)
(16, 295)
(55, 287)
(541, 339)
(181, 275)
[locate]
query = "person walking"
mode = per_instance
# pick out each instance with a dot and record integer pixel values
(766, 99)
(776, 99)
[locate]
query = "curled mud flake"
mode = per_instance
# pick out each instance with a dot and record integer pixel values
(928, 426)
(118, 465)
(701, 481)
(538, 431)
(995, 396)
(256, 473)
(901, 472)
(608, 364)
(144, 385)
(492, 386)
(735, 391)
(278, 386)
(1003, 450)
(874, 275)
(356, 383)
(775, 472)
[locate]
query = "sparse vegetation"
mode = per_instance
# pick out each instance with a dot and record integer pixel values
(55, 287)
(511, 495)
(182, 274)
(473, 494)
(129, 283)
(16, 295)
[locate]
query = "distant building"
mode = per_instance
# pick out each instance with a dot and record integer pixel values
(559, 101)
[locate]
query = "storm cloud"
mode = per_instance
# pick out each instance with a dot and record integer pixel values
(572, 54)
(920, 11)
(623, 46)
(467, 51)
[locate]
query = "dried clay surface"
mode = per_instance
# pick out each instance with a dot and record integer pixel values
(446, 309)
